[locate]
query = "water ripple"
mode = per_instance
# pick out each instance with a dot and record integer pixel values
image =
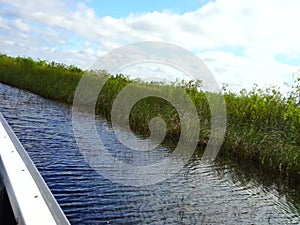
(199, 193)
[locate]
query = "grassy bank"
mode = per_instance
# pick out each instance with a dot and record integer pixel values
(262, 125)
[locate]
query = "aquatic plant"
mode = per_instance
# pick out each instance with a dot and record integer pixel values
(262, 125)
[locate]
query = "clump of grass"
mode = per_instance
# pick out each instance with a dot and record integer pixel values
(50, 80)
(262, 125)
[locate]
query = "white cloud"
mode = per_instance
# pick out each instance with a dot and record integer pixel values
(243, 72)
(260, 29)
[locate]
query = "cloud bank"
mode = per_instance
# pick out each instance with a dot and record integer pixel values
(243, 42)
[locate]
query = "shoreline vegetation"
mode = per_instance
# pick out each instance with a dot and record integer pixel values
(263, 126)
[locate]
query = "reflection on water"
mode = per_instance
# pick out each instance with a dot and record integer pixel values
(222, 193)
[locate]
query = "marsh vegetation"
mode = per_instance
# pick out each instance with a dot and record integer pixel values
(262, 124)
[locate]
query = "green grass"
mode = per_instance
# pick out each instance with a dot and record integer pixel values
(262, 125)
(50, 80)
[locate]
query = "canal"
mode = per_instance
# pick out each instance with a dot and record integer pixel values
(219, 193)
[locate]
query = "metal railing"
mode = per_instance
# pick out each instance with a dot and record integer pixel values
(31, 200)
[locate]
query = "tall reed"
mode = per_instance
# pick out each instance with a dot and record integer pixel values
(262, 125)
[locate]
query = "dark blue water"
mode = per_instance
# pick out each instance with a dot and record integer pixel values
(199, 194)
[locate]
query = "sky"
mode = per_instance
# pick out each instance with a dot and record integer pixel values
(242, 42)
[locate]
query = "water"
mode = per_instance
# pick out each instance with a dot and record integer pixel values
(223, 193)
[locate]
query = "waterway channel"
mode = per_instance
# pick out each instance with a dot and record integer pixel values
(219, 193)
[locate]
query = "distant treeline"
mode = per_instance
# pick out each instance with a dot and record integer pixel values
(263, 126)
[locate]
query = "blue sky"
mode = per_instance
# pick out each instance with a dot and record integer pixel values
(122, 8)
(242, 42)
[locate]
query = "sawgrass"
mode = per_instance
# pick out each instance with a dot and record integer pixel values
(262, 125)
